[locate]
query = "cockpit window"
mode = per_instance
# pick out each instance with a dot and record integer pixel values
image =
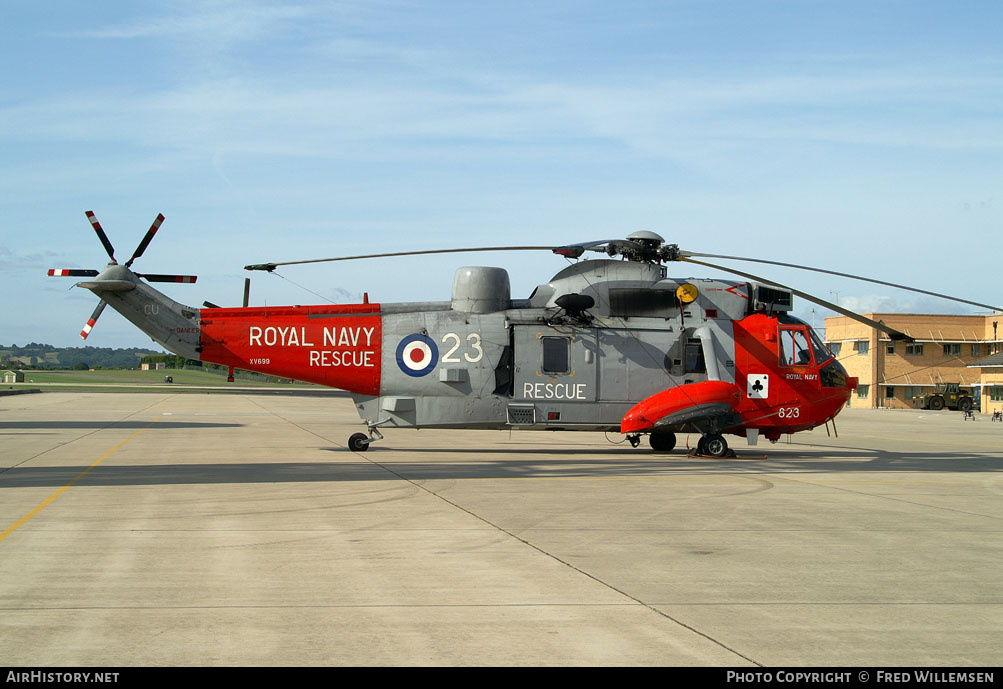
(794, 347)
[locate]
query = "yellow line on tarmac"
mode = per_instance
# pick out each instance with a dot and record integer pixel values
(45, 503)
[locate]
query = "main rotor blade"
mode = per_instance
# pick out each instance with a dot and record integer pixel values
(93, 319)
(894, 334)
(845, 275)
(147, 238)
(101, 235)
(159, 277)
(272, 266)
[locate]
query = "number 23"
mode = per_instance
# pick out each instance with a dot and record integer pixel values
(474, 341)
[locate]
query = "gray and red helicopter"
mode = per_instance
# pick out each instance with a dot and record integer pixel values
(612, 344)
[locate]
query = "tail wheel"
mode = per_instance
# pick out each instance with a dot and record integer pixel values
(936, 403)
(714, 445)
(662, 442)
(359, 442)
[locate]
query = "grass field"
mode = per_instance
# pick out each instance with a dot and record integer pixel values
(113, 377)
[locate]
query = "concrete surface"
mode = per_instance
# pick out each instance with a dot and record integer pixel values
(240, 530)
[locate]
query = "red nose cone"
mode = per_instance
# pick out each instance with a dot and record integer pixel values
(634, 421)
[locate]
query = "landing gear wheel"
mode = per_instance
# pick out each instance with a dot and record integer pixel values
(662, 442)
(359, 442)
(937, 403)
(714, 445)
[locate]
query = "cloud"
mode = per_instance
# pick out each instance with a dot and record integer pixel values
(223, 23)
(904, 304)
(28, 260)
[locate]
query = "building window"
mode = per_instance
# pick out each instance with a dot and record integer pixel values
(996, 393)
(862, 391)
(834, 347)
(890, 392)
(976, 350)
(913, 349)
(952, 350)
(890, 349)
(862, 346)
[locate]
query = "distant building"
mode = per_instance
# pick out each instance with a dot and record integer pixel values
(991, 377)
(13, 376)
(891, 374)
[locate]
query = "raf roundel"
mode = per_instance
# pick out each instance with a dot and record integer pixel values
(417, 355)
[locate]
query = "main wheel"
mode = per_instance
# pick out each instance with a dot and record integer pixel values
(359, 442)
(715, 445)
(936, 403)
(965, 404)
(662, 442)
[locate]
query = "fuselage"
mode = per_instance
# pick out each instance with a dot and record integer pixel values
(584, 350)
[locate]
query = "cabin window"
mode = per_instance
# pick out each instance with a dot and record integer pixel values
(555, 354)
(695, 362)
(794, 348)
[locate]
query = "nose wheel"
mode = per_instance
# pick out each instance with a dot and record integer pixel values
(662, 442)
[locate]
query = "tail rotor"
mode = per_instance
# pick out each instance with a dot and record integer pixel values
(116, 283)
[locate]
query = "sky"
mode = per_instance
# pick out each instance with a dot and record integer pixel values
(864, 137)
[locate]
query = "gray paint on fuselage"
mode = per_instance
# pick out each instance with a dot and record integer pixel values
(615, 361)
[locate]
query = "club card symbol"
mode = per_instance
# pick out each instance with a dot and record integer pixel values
(758, 386)
(417, 355)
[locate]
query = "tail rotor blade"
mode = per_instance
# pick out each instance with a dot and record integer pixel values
(93, 319)
(72, 273)
(146, 239)
(101, 235)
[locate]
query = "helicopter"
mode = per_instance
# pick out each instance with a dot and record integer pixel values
(611, 344)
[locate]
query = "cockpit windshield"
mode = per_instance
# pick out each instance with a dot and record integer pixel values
(822, 353)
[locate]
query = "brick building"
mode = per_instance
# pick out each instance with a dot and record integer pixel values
(891, 374)
(990, 370)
